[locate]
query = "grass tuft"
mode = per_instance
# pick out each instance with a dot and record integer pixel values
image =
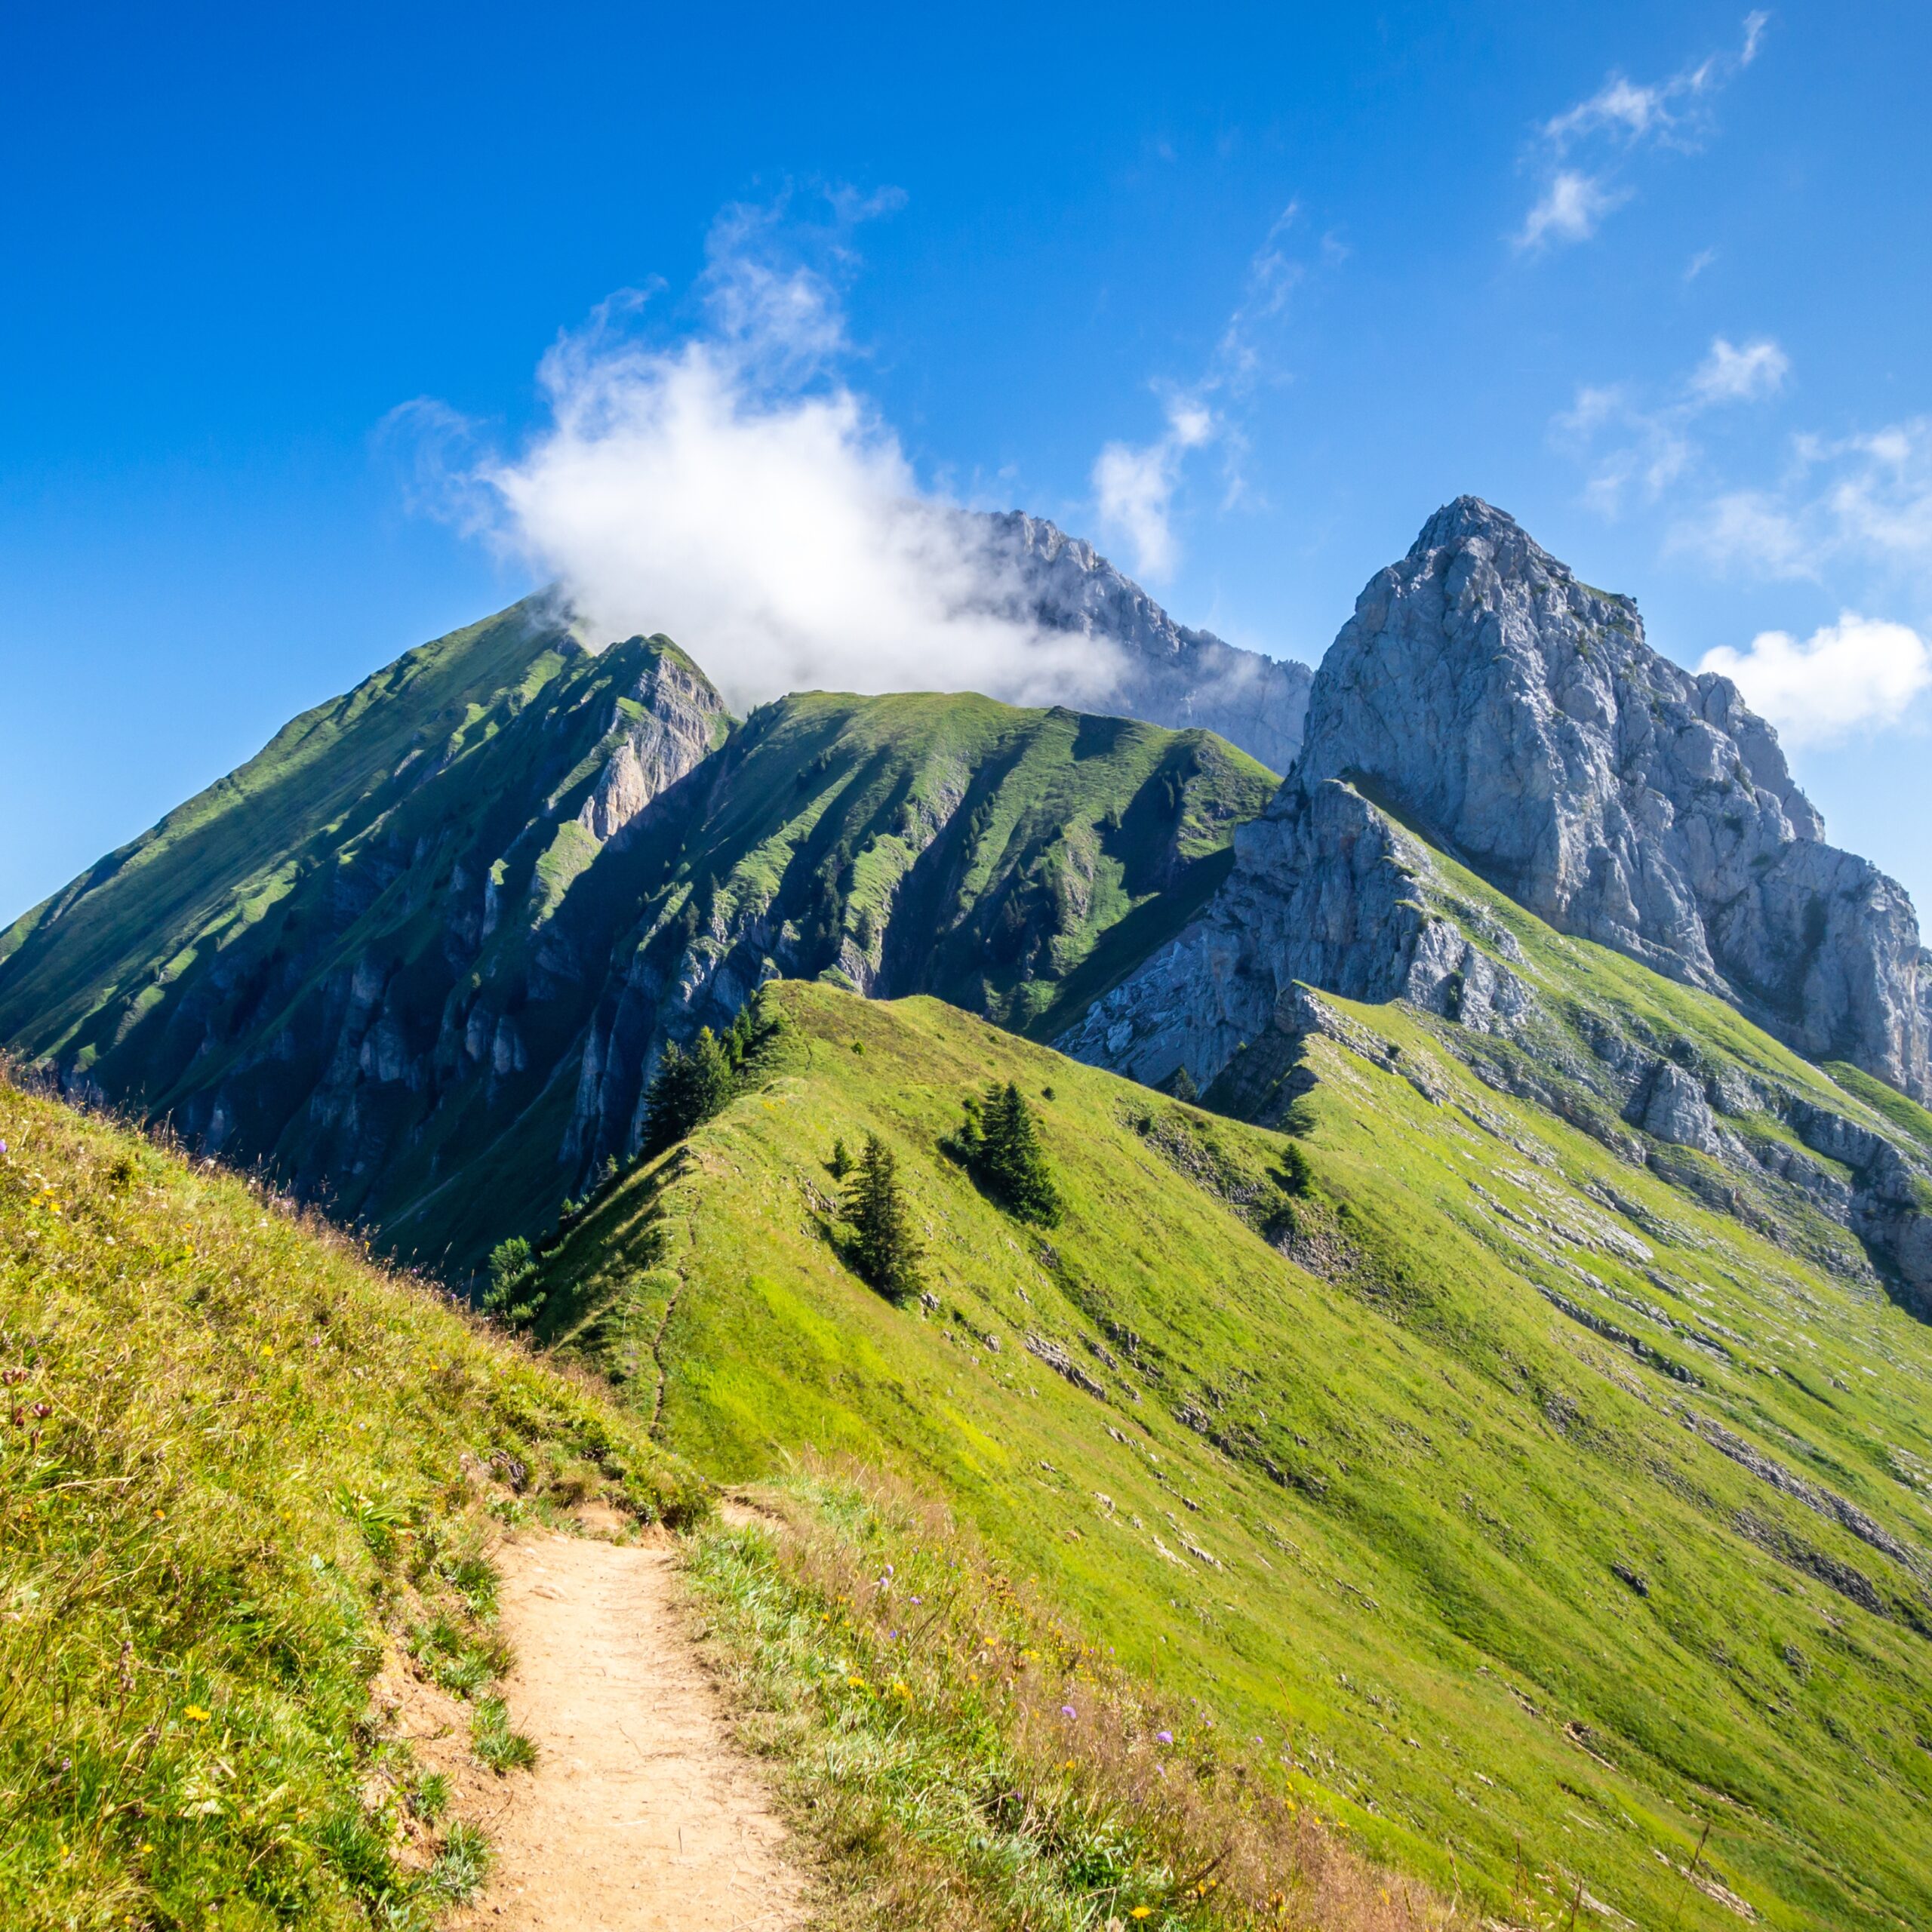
(496, 1743)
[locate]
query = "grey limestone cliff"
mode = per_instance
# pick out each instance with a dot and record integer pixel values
(1518, 718)
(1515, 719)
(1173, 675)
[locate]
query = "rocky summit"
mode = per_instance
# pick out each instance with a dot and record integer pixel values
(1485, 709)
(1514, 718)
(1171, 675)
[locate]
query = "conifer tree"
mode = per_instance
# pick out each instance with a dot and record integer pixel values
(1023, 1176)
(878, 1223)
(685, 1091)
(1001, 1147)
(712, 1083)
(1184, 1089)
(512, 1294)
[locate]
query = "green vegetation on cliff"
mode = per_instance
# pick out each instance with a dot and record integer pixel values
(417, 958)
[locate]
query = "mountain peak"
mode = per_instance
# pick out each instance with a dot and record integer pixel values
(1517, 719)
(1170, 674)
(1465, 519)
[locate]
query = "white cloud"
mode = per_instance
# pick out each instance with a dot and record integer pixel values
(1654, 448)
(1135, 484)
(1623, 115)
(1748, 531)
(1729, 374)
(732, 490)
(1571, 207)
(1860, 673)
(1134, 487)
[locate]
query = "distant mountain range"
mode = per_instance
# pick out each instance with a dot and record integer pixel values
(421, 954)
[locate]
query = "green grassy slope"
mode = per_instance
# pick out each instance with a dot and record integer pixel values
(1013, 862)
(376, 959)
(963, 847)
(235, 1463)
(1533, 1498)
(122, 925)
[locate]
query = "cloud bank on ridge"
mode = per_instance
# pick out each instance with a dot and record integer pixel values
(733, 491)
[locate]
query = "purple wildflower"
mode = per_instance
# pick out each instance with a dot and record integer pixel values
(1164, 1737)
(1068, 1711)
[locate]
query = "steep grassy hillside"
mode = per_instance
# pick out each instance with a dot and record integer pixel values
(237, 1463)
(417, 958)
(1508, 1489)
(122, 925)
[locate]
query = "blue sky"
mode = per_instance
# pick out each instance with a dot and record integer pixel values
(1242, 292)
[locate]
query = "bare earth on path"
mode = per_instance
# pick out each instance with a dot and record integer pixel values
(642, 1814)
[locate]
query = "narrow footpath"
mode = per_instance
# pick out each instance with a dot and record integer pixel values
(642, 1815)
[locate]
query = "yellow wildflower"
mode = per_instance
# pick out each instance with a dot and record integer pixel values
(195, 1715)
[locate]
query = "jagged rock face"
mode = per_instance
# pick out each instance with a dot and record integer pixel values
(1172, 676)
(673, 726)
(1675, 1109)
(1325, 889)
(1517, 718)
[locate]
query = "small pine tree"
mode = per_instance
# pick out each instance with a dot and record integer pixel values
(1022, 1176)
(1296, 1174)
(840, 1165)
(1183, 1088)
(737, 1041)
(881, 1243)
(1001, 1147)
(713, 1081)
(512, 1294)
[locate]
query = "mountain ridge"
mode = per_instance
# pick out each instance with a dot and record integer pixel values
(1172, 675)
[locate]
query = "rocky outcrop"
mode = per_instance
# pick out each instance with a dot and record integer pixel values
(671, 720)
(1325, 889)
(1517, 718)
(1171, 675)
(1672, 1107)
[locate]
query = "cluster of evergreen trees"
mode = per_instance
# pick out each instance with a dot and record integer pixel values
(1000, 1146)
(689, 1086)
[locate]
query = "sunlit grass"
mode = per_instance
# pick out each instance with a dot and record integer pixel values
(232, 1454)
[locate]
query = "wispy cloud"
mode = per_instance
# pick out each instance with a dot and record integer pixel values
(1577, 155)
(1863, 500)
(726, 483)
(1858, 675)
(1644, 446)
(1135, 484)
(1732, 374)
(1570, 209)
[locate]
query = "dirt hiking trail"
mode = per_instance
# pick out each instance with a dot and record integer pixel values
(642, 1815)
